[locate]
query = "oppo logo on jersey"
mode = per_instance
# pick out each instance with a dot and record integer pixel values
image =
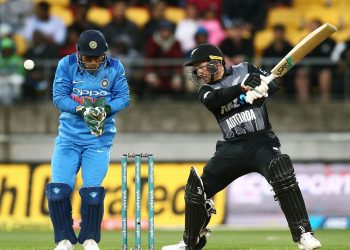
(85, 92)
(79, 95)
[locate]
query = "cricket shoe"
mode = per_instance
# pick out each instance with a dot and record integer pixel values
(308, 242)
(180, 246)
(90, 245)
(64, 245)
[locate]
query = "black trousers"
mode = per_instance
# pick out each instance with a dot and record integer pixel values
(234, 159)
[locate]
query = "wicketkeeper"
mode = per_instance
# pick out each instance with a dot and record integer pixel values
(89, 89)
(235, 96)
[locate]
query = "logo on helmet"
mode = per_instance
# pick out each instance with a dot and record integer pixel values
(93, 44)
(193, 51)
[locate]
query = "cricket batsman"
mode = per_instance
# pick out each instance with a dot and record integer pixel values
(89, 89)
(235, 96)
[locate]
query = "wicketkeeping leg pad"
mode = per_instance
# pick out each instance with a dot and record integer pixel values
(91, 213)
(60, 209)
(198, 211)
(288, 194)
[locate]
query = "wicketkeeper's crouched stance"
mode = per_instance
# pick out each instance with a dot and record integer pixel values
(89, 89)
(236, 97)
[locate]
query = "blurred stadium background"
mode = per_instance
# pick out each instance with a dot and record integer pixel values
(311, 112)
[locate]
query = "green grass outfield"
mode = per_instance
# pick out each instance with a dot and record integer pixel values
(219, 239)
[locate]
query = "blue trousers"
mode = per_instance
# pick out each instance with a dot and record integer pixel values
(68, 157)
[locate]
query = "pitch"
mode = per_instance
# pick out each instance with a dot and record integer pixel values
(219, 239)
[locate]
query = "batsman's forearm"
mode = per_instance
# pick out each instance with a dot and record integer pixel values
(219, 97)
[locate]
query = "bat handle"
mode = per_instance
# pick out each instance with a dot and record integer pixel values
(268, 79)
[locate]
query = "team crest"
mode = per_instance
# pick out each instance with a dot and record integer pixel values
(93, 44)
(104, 83)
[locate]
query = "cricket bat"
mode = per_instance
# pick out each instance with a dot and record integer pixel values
(304, 47)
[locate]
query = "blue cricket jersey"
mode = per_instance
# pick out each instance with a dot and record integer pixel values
(72, 85)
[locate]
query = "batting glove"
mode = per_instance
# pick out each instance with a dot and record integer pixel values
(257, 82)
(250, 82)
(262, 89)
(252, 95)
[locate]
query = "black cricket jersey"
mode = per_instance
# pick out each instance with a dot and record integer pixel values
(226, 101)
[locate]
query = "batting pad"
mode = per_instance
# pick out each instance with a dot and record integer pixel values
(197, 214)
(91, 213)
(60, 209)
(289, 196)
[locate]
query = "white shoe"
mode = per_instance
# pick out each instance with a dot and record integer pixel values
(64, 245)
(90, 245)
(308, 242)
(180, 246)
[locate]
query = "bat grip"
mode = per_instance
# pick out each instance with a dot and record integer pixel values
(268, 79)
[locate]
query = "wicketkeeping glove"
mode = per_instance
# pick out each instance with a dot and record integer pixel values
(94, 115)
(103, 109)
(100, 112)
